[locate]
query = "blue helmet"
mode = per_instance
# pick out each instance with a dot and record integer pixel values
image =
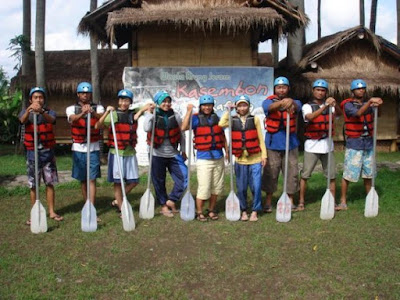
(160, 96)
(125, 94)
(281, 80)
(242, 98)
(322, 83)
(358, 84)
(206, 99)
(84, 87)
(37, 89)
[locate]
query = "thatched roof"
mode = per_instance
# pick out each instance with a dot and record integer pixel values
(345, 56)
(113, 21)
(65, 69)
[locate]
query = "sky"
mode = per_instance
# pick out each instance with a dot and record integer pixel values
(62, 19)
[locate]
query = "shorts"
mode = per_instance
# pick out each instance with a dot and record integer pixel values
(210, 177)
(79, 165)
(129, 167)
(47, 170)
(357, 162)
(311, 160)
(276, 164)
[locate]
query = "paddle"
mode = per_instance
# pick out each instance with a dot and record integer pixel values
(128, 221)
(38, 212)
(88, 215)
(372, 200)
(232, 204)
(146, 208)
(328, 201)
(187, 211)
(284, 205)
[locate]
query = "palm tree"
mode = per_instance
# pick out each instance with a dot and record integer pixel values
(26, 32)
(362, 14)
(319, 19)
(94, 60)
(398, 22)
(372, 24)
(296, 41)
(39, 42)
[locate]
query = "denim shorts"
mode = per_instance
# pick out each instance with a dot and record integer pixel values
(79, 165)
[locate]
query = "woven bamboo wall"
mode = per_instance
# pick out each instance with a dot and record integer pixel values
(166, 46)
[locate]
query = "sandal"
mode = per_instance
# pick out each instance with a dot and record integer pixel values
(267, 209)
(172, 206)
(28, 223)
(244, 217)
(253, 217)
(57, 218)
(300, 207)
(200, 217)
(114, 203)
(294, 208)
(341, 206)
(212, 214)
(167, 214)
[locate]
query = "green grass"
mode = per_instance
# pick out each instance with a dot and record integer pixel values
(348, 257)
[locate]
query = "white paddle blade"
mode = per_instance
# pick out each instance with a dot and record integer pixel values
(38, 218)
(89, 217)
(232, 207)
(284, 209)
(187, 210)
(146, 209)
(327, 206)
(128, 220)
(371, 204)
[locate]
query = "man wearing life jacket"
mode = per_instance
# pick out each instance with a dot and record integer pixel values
(209, 140)
(125, 120)
(316, 146)
(275, 108)
(359, 121)
(77, 117)
(251, 156)
(46, 142)
(167, 138)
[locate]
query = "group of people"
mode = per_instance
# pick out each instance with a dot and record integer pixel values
(249, 147)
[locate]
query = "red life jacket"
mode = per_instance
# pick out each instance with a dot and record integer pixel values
(276, 120)
(44, 131)
(355, 127)
(169, 130)
(78, 128)
(208, 135)
(125, 129)
(319, 127)
(244, 137)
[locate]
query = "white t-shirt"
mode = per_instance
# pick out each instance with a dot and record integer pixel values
(83, 147)
(315, 146)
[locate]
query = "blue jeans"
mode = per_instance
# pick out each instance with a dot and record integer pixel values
(249, 175)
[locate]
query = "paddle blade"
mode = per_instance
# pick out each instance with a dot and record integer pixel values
(38, 218)
(371, 204)
(232, 207)
(327, 206)
(89, 217)
(146, 209)
(284, 209)
(128, 220)
(187, 210)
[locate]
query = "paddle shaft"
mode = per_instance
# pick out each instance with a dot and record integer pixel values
(230, 146)
(121, 177)
(190, 152)
(286, 151)
(374, 146)
(35, 146)
(88, 156)
(151, 148)
(328, 180)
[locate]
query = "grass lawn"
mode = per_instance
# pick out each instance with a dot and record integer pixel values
(348, 257)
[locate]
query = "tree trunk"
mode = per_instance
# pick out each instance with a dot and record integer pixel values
(319, 19)
(362, 14)
(297, 40)
(398, 22)
(26, 32)
(94, 61)
(39, 42)
(372, 24)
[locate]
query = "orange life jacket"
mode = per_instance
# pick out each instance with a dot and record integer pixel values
(208, 135)
(244, 137)
(355, 127)
(78, 128)
(318, 128)
(276, 120)
(125, 129)
(44, 131)
(163, 130)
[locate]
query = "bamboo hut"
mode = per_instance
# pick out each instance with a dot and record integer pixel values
(348, 55)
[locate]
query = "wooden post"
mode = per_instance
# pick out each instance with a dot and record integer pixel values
(362, 14)
(297, 40)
